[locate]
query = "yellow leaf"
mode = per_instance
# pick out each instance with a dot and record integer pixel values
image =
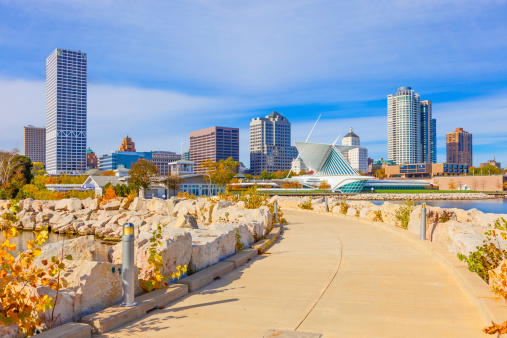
(12, 247)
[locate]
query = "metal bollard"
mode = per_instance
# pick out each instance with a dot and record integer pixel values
(326, 206)
(128, 273)
(276, 211)
(423, 222)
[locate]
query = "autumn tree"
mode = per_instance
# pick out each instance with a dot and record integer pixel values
(221, 172)
(248, 177)
(38, 169)
(380, 173)
(108, 173)
(109, 194)
(173, 182)
(142, 174)
(292, 185)
(452, 185)
(324, 185)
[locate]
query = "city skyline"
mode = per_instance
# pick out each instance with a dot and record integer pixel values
(141, 93)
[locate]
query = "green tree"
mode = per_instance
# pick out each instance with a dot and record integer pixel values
(142, 174)
(248, 177)
(38, 169)
(265, 175)
(221, 172)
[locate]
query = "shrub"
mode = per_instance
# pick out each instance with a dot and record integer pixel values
(378, 216)
(19, 303)
(344, 207)
(307, 205)
(403, 213)
(239, 245)
(186, 195)
(444, 217)
(155, 279)
(488, 256)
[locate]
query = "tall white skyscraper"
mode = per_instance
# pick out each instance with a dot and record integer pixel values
(410, 128)
(66, 112)
(270, 141)
(356, 157)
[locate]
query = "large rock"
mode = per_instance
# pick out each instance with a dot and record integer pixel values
(257, 220)
(71, 204)
(11, 331)
(137, 204)
(466, 243)
(63, 223)
(211, 246)
(389, 213)
(113, 205)
(176, 249)
(158, 206)
(81, 248)
(28, 221)
(186, 221)
(246, 236)
(64, 308)
(487, 220)
(96, 285)
(83, 214)
(185, 207)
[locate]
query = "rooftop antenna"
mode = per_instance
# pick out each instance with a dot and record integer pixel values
(182, 146)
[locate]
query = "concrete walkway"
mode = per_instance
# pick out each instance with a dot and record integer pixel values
(326, 275)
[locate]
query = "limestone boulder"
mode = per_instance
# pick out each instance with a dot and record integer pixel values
(185, 207)
(80, 248)
(389, 213)
(27, 205)
(246, 236)
(257, 220)
(170, 204)
(352, 211)
(466, 243)
(86, 228)
(28, 221)
(83, 214)
(71, 205)
(37, 206)
(96, 285)
(158, 206)
(137, 204)
(48, 206)
(113, 205)
(86, 202)
(210, 246)
(186, 221)
(204, 210)
(176, 249)
(487, 220)
(64, 307)
(11, 331)
(63, 222)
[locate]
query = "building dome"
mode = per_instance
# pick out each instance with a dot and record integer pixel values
(351, 134)
(404, 88)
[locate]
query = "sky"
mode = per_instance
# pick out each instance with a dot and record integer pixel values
(158, 70)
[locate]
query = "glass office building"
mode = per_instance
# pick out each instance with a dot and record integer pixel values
(124, 159)
(66, 112)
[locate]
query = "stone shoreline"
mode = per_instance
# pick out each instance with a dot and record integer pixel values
(403, 197)
(197, 233)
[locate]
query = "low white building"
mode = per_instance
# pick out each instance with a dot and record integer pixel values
(357, 157)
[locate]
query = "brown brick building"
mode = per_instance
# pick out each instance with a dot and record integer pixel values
(128, 145)
(34, 143)
(459, 147)
(215, 143)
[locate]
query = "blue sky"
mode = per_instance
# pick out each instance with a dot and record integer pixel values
(160, 69)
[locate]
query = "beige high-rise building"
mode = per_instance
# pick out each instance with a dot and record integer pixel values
(34, 143)
(459, 147)
(215, 143)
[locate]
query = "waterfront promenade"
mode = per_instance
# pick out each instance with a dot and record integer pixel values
(327, 275)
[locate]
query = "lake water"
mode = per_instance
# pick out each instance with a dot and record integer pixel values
(20, 240)
(495, 206)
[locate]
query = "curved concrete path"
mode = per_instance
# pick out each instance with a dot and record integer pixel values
(327, 275)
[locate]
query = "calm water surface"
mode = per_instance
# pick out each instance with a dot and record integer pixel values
(100, 255)
(495, 206)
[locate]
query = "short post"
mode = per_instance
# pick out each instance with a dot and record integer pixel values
(326, 206)
(423, 222)
(276, 211)
(128, 273)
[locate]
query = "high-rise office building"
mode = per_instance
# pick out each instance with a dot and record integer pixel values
(410, 128)
(357, 157)
(433, 140)
(185, 156)
(66, 112)
(34, 143)
(215, 143)
(459, 147)
(162, 159)
(270, 144)
(127, 144)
